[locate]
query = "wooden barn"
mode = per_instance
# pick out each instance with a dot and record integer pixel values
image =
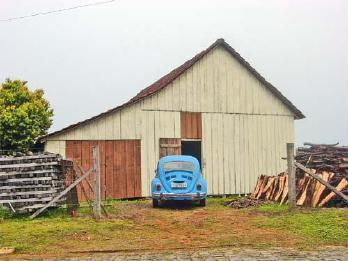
(215, 107)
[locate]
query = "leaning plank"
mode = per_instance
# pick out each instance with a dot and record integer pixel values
(341, 186)
(282, 181)
(38, 212)
(270, 187)
(320, 188)
(257, 187)
(315, 176)
(303, 195)
(285, 191)
(274, 188)
(263, 184)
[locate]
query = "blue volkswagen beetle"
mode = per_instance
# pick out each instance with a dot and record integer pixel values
(178, 178)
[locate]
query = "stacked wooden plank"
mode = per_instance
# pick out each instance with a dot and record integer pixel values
(329, 162)
(29, 182)
(324, 158)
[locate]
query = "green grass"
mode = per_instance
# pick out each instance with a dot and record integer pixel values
(317, 226)
(135, 224)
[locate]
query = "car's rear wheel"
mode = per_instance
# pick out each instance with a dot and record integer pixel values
(202, 202)
(155, 203)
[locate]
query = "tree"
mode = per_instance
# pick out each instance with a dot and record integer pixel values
(24, 115)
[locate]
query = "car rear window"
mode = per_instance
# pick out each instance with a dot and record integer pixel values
(178, 165)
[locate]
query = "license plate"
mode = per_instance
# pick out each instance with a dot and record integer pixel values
(179, 185)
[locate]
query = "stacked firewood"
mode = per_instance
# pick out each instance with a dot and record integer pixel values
(324, 158)
(30, 182)
(329, 162)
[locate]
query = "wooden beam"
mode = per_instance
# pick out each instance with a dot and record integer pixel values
(39, 211)
(291, 174)
(326, 184)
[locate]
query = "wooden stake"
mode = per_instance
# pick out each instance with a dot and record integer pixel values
(291, 175)
(96, 170)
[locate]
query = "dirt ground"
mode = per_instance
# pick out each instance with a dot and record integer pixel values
(136, 226)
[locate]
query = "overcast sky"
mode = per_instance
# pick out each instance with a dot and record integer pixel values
(91, 59)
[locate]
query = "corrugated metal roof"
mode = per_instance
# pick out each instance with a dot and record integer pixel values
(171, 76)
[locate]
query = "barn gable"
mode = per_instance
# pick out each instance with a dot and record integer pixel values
(219, 66)
(219, 83)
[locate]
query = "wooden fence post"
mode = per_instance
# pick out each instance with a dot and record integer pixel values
(96, 170)
(291, 175)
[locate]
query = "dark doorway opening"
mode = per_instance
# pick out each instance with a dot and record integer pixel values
(192, 148)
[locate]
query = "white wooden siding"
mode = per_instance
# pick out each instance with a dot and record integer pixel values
(238, 148)
(244, 126)
(56, 146)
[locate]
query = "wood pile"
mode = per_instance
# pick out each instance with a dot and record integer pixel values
(243, 203)
(324, 158)
(28, 183)
(327, 161)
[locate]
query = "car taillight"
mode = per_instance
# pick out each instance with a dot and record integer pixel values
(158, 186)
(199, 186)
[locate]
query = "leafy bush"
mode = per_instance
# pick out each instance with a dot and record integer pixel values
(24, 115)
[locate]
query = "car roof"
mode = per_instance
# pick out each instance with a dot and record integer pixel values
(178, 158)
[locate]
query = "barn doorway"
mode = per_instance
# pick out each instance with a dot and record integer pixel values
(192, 148)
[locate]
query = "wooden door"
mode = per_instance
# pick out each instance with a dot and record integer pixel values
(119, 166)
(191, 125)
(170, 146)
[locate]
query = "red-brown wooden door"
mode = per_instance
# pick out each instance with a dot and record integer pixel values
(119, 166)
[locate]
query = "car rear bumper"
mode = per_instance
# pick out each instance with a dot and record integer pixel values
(179, 196)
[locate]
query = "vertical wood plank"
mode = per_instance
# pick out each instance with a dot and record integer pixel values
(116, 171)
(109, 165)
(199, 126)
(194, 128)
(102, 169)
(137, 169)
(130, 173)
(191, 125)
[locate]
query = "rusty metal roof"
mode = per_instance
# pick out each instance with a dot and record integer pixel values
(171, 76)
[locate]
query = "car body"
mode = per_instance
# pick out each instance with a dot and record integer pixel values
(178, 177)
